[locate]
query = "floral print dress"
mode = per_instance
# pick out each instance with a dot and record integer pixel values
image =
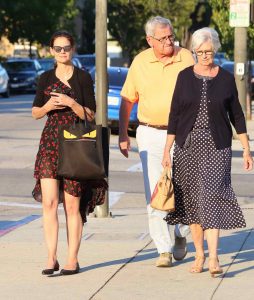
(47, 159)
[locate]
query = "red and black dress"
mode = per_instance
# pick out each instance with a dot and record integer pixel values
(91, 192)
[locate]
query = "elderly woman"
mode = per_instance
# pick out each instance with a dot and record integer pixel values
(205, 101)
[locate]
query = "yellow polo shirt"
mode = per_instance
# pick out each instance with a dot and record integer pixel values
(151, 83)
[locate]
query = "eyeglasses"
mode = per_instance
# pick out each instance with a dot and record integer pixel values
(58, 49)
(206, 52)
(165, 38)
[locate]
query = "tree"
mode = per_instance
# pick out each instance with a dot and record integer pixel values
(87, 38)
(220, 22)
(128, 17)
(32, 20)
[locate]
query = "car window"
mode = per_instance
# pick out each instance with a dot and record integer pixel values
(47, 64)
(229, 67)
(87, 61)
(17, 66)
(117, 77)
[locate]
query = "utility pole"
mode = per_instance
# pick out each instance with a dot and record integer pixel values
(101, 86)
(239, 18)
(241, 66)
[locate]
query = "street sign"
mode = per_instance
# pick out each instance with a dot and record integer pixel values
(239, 14)
(239, 70)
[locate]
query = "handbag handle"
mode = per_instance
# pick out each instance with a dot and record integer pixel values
(85, 116)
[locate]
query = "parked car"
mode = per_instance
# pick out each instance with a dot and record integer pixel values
(4, 83)
(47, 63)
(23, 73)
(116, 79)
(220, 57)
(77, 63)
(87, 61)
(229, 66)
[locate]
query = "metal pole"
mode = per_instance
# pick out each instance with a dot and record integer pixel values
(102, 211)
(240, 56)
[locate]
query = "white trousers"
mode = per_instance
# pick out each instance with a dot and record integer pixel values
(151, 143)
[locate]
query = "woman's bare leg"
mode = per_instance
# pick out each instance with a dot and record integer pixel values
(198, 238)
(74, 228)
(212, 237)
(50, 193)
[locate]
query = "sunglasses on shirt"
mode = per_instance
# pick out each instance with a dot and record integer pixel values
(58, 49)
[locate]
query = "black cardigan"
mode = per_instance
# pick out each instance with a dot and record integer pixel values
(223, 107)
(80, 82)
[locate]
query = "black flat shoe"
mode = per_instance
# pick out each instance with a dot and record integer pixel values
(70, 272)
(51, 271)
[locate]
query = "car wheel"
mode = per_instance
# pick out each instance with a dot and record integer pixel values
(7, 93)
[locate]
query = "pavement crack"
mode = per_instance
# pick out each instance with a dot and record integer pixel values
(232, 262)
(119, 269)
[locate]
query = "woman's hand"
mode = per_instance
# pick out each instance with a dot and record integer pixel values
(247, 160)
(90, 114)
(166, 161)
(61, 100)
(52, 104)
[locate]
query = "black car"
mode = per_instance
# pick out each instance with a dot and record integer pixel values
(47, 63)
(87, 61)
(23, 73)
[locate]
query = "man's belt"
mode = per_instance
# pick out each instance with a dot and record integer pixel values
(161, 127)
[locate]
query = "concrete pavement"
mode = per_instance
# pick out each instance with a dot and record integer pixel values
(117, 256)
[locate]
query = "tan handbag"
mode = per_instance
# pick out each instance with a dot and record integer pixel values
(163, 197)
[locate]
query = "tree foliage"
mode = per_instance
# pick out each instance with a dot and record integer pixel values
(87, 38)
(220, 21)
(33, 20)
(128, 17)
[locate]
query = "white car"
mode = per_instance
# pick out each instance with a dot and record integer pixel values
(4, 83)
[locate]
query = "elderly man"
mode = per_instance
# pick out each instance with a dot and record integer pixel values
(150, 82)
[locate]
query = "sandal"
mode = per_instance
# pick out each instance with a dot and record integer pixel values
(214, 267)
(198, 265)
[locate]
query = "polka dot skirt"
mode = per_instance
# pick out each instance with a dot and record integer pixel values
(202, 178)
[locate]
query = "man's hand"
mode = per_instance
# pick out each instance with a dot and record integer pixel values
(124, 144)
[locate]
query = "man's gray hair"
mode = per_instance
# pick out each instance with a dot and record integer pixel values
(203, 35)
(156, 21)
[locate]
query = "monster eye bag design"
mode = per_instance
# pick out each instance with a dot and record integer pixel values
(83, 151)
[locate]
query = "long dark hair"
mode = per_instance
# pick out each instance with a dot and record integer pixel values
(61, 33)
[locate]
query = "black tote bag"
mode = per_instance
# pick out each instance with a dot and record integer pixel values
(83, 151)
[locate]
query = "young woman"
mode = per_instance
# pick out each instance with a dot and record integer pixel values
(62, 94)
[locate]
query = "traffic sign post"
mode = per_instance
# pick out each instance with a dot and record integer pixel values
(239, 17)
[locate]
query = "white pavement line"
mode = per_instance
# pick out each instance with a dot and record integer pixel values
(87, 236)
(20, 204)
(114, 197)
(143, 235)
(136, 168)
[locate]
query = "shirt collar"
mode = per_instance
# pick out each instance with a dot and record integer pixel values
(176, 57)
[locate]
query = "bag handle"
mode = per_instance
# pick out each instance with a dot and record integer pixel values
(85, 116)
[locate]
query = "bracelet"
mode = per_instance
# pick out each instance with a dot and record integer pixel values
(246, 149)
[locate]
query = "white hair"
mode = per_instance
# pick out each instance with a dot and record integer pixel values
(203, 35)
(156, 21)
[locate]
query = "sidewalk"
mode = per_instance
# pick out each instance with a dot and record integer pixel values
(117, 258)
